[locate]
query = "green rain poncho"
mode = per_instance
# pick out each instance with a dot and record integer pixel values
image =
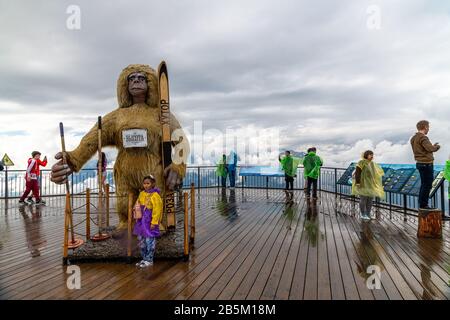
(289, 165)
(221, 170)
(447, 173)
(312, 164)
(371, 180)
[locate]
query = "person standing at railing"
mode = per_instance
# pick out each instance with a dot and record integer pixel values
(104, 164)
(287, 165)
(32, 177)
(231, 166)
(423, 154)
(312, 164)
(222, 170)
(367, 183)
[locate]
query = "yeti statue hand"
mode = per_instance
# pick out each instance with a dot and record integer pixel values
(60, 172)
(173, 175)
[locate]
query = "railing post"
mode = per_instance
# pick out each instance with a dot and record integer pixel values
(40, 185)
(198, 184)
(434, 200)
(6, 184)
(443, 199)
(107, 203)
(192, 213)
(71, 188)
(267, 182)
(88, 214)
(390, 205)
(335, 182)
(186, 226)
(320, 181)
(405, 207)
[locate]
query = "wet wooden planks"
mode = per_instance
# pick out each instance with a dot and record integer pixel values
(250, 244)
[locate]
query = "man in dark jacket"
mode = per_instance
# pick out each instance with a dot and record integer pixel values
(423, 154)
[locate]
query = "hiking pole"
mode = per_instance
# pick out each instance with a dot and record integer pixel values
(72, 243)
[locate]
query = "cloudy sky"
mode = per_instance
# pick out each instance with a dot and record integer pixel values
(343, 75)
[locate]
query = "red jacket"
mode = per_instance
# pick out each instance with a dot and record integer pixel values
(33, 168)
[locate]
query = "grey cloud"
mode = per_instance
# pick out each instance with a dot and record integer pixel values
(285, 64)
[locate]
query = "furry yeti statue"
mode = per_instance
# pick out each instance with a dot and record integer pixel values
(137, 94)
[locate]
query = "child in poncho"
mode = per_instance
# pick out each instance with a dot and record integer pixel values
(148, 212)
(367, 183)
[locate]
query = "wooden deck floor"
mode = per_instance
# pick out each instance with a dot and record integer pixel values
(249, 245)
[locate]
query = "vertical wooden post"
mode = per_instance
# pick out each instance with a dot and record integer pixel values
(88, 214)
(192, 213)
(186, 226)
(107, 204)
(100, 175)
(130, 213)
(66, 228)
(99, 213)
(69, 213)
(68, 198)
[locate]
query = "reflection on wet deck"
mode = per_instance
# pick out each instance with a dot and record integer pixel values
(249, 245)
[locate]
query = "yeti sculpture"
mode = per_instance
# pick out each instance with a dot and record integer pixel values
(138, 111)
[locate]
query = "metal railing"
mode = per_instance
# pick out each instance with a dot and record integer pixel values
(12, 185)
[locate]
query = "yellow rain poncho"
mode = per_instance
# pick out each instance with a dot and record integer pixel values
(371, 180)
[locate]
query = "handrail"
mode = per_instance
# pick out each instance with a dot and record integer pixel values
(188, 167)
(203, 176)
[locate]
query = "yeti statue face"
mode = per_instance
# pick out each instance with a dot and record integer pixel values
(131, 84)
(137, 84)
